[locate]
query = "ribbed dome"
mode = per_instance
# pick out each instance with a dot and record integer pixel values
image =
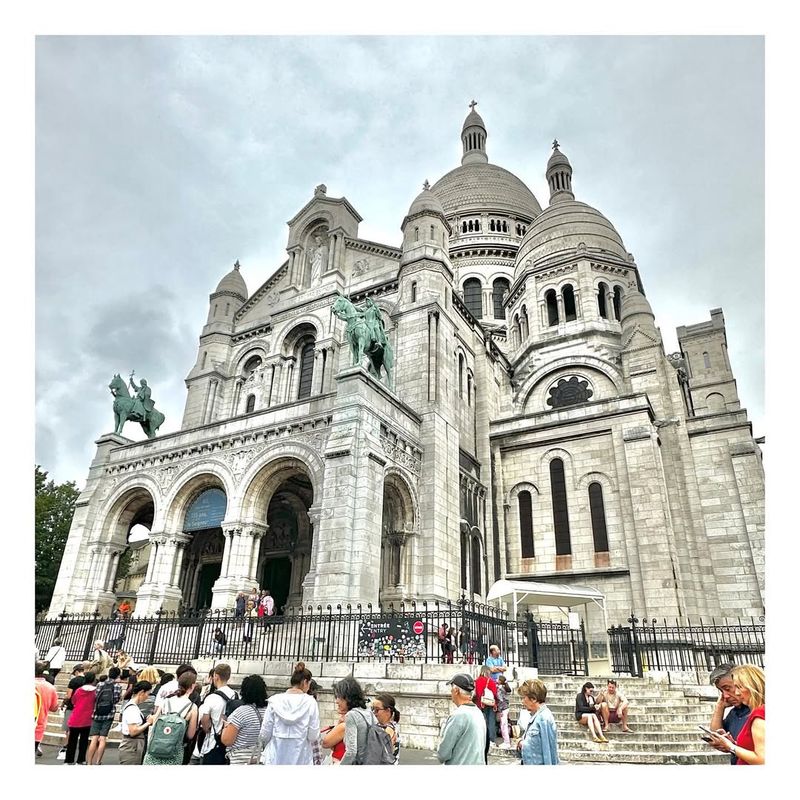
(473, 118)
(234, 282)
(475, 187)
(635, 304)
(560, 228)
(557, 159)
(426, 200)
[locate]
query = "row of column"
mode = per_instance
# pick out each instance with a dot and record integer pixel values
(299, 263)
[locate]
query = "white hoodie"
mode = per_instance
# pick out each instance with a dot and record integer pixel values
(290, 725)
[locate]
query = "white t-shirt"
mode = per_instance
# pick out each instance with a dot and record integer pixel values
(56, 655)
(214, 706)
(131, 714)
(165, 691)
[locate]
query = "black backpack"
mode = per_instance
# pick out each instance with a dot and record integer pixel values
(231, 704)
(104, 700)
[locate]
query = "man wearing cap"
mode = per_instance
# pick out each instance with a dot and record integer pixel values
(464, 735)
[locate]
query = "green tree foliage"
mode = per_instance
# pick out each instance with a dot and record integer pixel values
(55, 505)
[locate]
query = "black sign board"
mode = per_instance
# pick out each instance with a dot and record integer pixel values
(392, 637)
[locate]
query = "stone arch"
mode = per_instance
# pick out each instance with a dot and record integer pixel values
(608, 383)
(557, 452)
(122, 512)
(246, 353)
(119, 497)
(607, 482)
(299, 328)
(715, 403)
(190, 483)
(264, 477)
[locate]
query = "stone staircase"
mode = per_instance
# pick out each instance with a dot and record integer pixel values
(664, 711)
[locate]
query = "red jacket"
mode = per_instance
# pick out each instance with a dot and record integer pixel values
(480, 685)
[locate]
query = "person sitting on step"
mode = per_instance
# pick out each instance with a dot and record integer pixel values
(586, 711)
(614, 707)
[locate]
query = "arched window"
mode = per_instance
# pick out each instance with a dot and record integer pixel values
(618, 302)
(598, 510)
(500, 288)
(416, 234)
(552, 307)
(460, 375)
(516, 332)
(306, 370)
(251, 404)
(526, 524)
(469, 389)
(505, 227)
(706, 360)
(413, 291)
(205, 358)
(491, 225)
(602, 293)
(251, 365)
(558, 491)
(470, 226)
(715, 403)
(476, 565)
(568, 295)
(227, 308)
(433, 234)
(463, 227)
(472, 297)
(524, 324)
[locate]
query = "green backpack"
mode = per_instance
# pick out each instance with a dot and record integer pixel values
(166, 738)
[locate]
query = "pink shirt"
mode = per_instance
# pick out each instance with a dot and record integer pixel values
(49, 703)
(82, 707)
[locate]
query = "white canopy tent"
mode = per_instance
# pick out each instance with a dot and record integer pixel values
(560, 595)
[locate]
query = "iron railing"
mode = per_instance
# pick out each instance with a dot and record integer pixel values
(403, 633)
(699, 647)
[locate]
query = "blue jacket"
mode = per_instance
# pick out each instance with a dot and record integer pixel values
(540, 745)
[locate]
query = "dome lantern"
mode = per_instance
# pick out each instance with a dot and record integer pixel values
(473, 138)
(559, 176)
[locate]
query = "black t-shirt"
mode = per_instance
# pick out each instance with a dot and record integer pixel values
(74, 684)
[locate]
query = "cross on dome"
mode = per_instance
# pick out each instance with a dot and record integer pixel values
(472, 105)
(236, 265)
(555, 144)
(426, 185)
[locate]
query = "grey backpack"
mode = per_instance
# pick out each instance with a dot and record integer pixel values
(378, 746)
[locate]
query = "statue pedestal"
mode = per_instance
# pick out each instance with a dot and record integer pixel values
(347, 563)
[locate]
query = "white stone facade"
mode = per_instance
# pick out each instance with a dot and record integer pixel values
(529, 377)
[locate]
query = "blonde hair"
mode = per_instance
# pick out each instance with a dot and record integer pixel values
(149, 674)
(751, 677)
(533, 689)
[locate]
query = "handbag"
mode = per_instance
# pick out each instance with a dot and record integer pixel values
(487, 698)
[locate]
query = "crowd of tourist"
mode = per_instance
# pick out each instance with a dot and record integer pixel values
(168, 719)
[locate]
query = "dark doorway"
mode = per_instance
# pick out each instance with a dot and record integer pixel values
(208, 576)
(276, 576)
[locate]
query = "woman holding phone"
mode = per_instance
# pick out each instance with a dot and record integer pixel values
(750, 689)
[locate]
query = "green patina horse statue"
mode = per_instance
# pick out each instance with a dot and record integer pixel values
(133, 409)
(366, 336)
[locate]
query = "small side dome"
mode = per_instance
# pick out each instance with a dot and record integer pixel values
(558, 158)
(233, 283)
(636, 310)
(426, 201)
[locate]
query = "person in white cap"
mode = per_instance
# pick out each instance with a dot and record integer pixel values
(464, 735)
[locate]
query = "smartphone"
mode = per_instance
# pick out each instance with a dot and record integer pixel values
(707, 730)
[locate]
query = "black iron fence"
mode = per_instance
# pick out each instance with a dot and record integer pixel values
(404, 633)
(700, 647)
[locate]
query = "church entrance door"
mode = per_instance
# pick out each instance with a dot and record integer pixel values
(208, 575)
(276, 576)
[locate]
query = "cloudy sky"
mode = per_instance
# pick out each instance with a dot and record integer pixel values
(162, 160)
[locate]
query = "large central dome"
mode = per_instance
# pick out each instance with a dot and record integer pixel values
(474, 187)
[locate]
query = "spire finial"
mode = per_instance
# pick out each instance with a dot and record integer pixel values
(426, 185)
(236, 265)
(472, 105)
(555, 144)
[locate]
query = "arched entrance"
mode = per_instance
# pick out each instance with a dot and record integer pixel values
(285, 554)
(202, 562)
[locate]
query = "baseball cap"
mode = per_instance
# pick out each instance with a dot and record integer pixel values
(463, 681)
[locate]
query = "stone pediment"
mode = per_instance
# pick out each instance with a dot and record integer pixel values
(639, 339)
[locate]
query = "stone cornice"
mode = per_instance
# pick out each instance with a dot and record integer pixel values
(236, 448)
(365, 246)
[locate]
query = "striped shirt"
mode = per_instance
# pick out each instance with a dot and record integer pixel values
(247, 720)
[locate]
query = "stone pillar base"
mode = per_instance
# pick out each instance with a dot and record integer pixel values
(225, 591)
(92, 601)
(154, 596)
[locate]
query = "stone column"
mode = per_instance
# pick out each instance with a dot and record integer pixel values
(560, 307)
(238, 560)
(270, 374)
(290, 378)
(488, 304)
(316, 378)
(158, 590)
(309, 580)
(182, 542)
(610, 313)
(275, 388)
